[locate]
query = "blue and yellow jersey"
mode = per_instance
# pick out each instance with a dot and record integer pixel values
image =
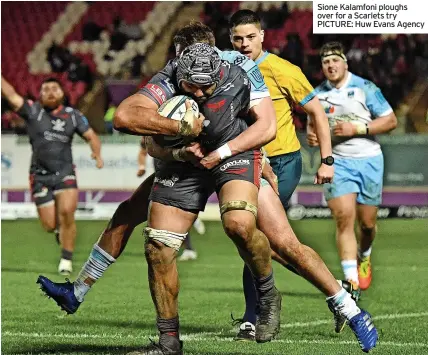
(287, 86)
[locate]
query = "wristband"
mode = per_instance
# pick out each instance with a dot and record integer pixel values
(176, 154)
(224, 151)
(362, 128)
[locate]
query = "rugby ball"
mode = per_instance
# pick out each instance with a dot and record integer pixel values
(175, 108)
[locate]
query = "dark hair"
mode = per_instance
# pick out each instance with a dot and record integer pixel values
(334, 47)
(194, 32)
(52, 80)
(244, 17)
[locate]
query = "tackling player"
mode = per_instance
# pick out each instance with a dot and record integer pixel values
(51, 127)
(356, 111)
(287, 86)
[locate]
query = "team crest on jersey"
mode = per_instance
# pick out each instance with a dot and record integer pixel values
(329, 109)
(58, 125)
(351, 94)
(239, 59)
(216, 106)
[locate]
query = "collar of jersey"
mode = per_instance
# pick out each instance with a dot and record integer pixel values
(262, 58)
(344, 86)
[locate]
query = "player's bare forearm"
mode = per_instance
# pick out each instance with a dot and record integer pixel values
(142, 156)
(137, 115)
(261, 132)
(322, 132)
(383, 124)
(95, 144)
(320, 126)
(156, 151)
(9, 93)
(310, 126)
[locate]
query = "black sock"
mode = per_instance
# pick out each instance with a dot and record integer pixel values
(250, 296)
(168, 326)
(65, 254)
(264, 285)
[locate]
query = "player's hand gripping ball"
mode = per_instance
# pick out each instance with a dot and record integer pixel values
(188, 115)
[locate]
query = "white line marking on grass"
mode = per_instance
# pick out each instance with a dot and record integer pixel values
(207, 336)
(214, 336)
(330, 321)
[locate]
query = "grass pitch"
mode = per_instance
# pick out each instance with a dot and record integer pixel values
(118, 316)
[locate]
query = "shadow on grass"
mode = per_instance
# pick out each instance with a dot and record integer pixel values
(149, 326)
(73, 349)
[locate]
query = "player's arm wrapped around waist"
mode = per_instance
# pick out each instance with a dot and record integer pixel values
(156, 151)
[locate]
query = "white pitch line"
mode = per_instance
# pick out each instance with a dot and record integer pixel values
(214, 336)
(207, 336)
(329, 321)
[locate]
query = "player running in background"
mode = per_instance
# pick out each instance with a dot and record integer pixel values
(51, 127)
(356, 111)
(189, 253)
(288, 86)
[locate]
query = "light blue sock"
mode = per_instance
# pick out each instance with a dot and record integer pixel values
(98, 262)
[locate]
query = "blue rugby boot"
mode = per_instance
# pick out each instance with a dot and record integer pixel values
(61, 293)
(365, 331)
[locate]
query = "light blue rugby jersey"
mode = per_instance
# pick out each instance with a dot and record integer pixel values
(258, 86)
(358, 100)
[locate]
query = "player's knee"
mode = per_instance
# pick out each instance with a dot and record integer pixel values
(49, 225)
(66, 216)
(368, 228)
(162, 245)
(344, 219)
(238, 228)
(154, 251)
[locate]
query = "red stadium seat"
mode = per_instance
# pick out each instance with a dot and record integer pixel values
(23, 25)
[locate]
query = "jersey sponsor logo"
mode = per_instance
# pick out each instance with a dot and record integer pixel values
(234, 163)
(52, 136)
(6, 161)
(216, 106)
(351, 94)
(256, 77)
(380, 98)
(58, 125)
(169, 85)
(42, 193)
(227, 87)
(167, 182)
(85, 120)
(157, 93)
